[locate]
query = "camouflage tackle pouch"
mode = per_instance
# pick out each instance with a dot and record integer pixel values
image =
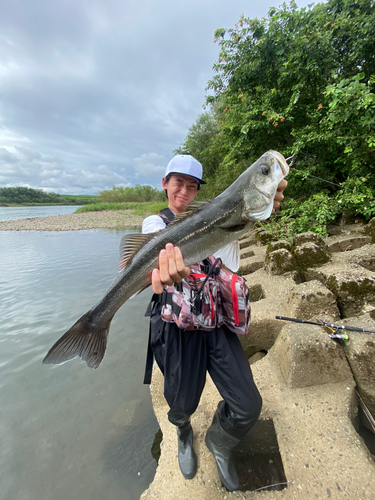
(192, 304)
(210, 297)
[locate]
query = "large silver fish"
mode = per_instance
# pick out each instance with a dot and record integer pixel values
(199, 232)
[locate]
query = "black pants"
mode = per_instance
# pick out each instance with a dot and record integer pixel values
(185, 356)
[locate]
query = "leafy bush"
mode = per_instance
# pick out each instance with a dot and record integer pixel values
(138, 193)
(141, 209)
(357, 196)
(319, 210)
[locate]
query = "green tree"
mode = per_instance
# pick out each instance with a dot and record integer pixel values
(199, 142)
(298, 81)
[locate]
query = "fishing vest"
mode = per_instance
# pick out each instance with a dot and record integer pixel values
(211, 296)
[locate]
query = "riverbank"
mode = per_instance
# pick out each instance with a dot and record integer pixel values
(108, 219)
(307, 443)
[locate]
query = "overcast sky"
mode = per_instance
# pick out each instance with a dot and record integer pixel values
(95, 93)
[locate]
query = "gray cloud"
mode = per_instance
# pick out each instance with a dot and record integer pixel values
(95, 93)
(7, 158)
(150, 165)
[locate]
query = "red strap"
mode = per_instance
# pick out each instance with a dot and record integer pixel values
(235, 299)
(212, 310)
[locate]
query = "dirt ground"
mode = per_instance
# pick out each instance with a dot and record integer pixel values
(110, 219)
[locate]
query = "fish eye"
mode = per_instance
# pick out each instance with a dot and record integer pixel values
(265, 170)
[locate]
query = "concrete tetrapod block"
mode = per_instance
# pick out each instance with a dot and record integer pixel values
(348, 243)
(252, 262)
(365, 257)
(263, 330)
(370, 229)
(360, 352)
(310, 300)
(310, 254)
(309, 237)
(247, 241)
(307, 356)
(322, 454)
(281, 261)
(246, 252)
(354, 289)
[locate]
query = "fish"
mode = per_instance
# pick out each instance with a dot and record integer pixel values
(202, 229)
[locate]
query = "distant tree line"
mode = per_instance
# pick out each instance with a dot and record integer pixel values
(24, 195)
(118, 194)
(299, 81)
(29, 196)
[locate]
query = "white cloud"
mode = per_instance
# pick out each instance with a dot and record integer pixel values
(24, 167)
(150, 164)
(28, 154)
(8, 157)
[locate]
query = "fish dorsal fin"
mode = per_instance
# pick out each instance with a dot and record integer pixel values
(193, 207)
(129, 244)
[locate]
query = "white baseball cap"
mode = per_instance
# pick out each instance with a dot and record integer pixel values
(187, 165)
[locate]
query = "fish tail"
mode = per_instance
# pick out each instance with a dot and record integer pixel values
(83, 339)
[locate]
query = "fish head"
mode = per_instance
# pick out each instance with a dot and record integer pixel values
(260, 183)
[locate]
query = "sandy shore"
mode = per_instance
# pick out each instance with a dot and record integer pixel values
(110, 219)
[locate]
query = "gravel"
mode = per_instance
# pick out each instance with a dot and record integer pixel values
(109, 219)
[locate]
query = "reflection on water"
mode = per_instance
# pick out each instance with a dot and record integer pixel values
(68, 431)
(16, 213)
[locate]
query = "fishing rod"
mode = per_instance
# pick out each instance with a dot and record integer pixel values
(345, 337)
(366, 412)
(334, 328)
(290, 165)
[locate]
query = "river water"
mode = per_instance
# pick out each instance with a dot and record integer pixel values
(16, 213)
(69, 431)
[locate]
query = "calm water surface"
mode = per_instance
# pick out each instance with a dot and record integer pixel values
(16, 213)
(69, 432)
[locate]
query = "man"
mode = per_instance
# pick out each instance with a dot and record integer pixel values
(185, 356)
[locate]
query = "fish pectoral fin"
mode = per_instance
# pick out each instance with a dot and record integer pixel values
(129, 244)
(81, 340)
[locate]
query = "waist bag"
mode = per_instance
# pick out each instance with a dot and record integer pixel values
(208, 298)
(234, 305)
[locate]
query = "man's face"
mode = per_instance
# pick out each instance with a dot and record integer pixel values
(182, 190)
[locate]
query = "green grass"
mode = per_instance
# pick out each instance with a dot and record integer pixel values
(79, 199)
(141, 209)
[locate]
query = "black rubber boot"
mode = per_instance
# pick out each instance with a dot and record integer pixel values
(187, 458)
(220, 444)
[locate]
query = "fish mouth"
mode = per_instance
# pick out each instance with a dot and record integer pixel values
(281, 162)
